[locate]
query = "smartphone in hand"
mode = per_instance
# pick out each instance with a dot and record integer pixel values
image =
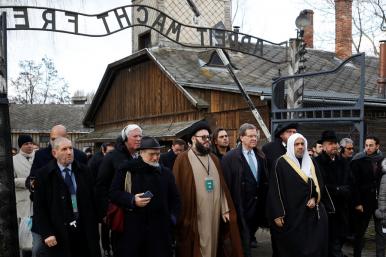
(147, 194)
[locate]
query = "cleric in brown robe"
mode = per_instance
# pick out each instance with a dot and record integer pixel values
(296, 213)
(208, 224)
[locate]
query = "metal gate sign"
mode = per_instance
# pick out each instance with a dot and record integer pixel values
(117, 19)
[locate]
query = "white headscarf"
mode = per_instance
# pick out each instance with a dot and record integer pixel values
(306, 159)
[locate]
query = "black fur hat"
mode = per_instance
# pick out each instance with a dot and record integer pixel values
(192, 130)
(283, 127)
(329, 135)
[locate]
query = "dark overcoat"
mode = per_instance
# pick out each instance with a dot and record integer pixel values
(147, 230)
(168, 159)
(367, 173)
(111, 163)
(336, 177)
(248, 197)
(53, 209)
(95, 162)
(273, 150)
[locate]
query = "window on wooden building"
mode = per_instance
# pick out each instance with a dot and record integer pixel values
(215, 61)
(144, 40)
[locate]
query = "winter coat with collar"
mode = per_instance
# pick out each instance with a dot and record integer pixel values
(111, 163)
(53, 209)
(246, 194)
(336, 177)
(21, 169)
(366, 174)
(273, 150)
(149, 226)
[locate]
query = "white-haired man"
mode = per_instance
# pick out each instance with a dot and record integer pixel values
(125, 149)
(346, 148)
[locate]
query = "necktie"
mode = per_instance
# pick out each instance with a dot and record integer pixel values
(71, 189)
(68, 181)
(252, 165)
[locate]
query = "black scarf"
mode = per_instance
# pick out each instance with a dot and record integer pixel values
(375, 157)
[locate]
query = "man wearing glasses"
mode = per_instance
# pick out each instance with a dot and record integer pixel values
(245, 172)
(346, 148)
(207, 208)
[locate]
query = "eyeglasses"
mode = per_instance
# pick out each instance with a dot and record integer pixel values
(205, 137)
(350, 148)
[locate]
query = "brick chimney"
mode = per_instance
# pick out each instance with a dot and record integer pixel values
(382, 69)
(309, 30)
(343, 28)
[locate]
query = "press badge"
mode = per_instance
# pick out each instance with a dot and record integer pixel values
(74, 203)
(209, 184)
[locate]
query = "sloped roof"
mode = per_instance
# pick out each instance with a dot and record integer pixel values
(42, 117)
(165, 130)
(187, 69)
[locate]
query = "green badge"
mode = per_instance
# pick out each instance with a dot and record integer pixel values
(74, 203)
(209, 184)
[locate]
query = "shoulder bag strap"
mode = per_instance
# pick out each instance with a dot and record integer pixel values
(128, 182)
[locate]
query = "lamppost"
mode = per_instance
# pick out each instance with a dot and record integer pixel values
(8, 222)
(297, 48)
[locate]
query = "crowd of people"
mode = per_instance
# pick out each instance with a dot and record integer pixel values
(201, 198)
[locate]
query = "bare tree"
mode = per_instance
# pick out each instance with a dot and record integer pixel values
(27, 83)
(238, 6)
(367, 17)
(40, 83)
(62, 94)
(90, 97)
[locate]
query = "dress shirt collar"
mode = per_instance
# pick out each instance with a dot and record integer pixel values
(61, 167)
(246, 151)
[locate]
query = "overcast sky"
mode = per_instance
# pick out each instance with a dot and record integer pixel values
(83, 60)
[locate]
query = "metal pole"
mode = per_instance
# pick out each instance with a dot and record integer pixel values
(239, 84)
(9, 246)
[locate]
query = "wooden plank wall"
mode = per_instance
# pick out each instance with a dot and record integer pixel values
(138, 93)
(37, 136)
(143, 94)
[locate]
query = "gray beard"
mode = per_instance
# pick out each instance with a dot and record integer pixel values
(153, 164)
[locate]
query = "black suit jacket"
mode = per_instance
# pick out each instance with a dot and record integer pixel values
(53, 209)
(248, 197)
(273, 150)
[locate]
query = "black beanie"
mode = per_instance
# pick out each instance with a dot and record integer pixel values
(24, 139)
